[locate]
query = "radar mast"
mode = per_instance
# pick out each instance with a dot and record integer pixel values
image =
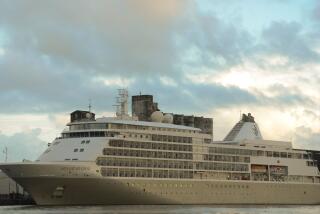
(122, 103)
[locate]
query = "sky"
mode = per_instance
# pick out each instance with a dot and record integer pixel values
(213, 58)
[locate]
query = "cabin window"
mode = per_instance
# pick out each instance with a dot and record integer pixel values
(269, 154)
(260, 153)
(75, 150)
(297, 155)
(283, 155)
(81, 150)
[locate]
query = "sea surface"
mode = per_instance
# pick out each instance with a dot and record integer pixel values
(185, 209)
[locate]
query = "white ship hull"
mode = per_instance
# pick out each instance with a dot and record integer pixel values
(92, 189)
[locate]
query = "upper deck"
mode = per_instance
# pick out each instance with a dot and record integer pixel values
(106, 122)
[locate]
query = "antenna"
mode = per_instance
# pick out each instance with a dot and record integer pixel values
(89, 106)
(122, 103)
(5, 151)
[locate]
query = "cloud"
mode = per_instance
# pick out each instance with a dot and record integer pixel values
(316, 12)
(56, 55)
(23, 145)
(61, 54)
(288, 39)
(105, 37)
(306, 138)
(214, 42)
(68, 57)
(187, 96)
(283, 96)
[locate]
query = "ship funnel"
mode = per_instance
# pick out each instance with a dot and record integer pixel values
(245, 129)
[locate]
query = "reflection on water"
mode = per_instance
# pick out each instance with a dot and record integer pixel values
(185, 209)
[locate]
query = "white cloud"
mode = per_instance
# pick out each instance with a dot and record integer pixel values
(24, 123)
(277, 60)
(168, 81)
(22, 145)
(114, 81)
(305, 138)
(2, 52)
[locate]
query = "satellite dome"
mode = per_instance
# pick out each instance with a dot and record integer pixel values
(157, 116)
(167, 118)
(88, 115)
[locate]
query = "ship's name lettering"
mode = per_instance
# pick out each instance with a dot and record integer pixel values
(75, 168)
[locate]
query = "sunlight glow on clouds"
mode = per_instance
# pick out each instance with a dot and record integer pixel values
(167, 81)
(2, 51)
(50, 125)
(114, 81)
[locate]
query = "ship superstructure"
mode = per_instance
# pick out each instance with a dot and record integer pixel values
(123, 160)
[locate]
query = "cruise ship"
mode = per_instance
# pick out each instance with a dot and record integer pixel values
(124, 160)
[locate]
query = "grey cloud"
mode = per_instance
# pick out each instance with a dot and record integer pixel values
(69, 91)
(188, 97)
(316, 12)
(23, 145)
(193, 97)
(111, 37)
(32, 85)
(105, 37)
(57, 49)
(284, 96)
(290, 40)
(314, 34)
(185, 97)
(221, 44)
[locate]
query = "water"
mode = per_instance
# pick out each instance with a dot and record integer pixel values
(163, 209)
